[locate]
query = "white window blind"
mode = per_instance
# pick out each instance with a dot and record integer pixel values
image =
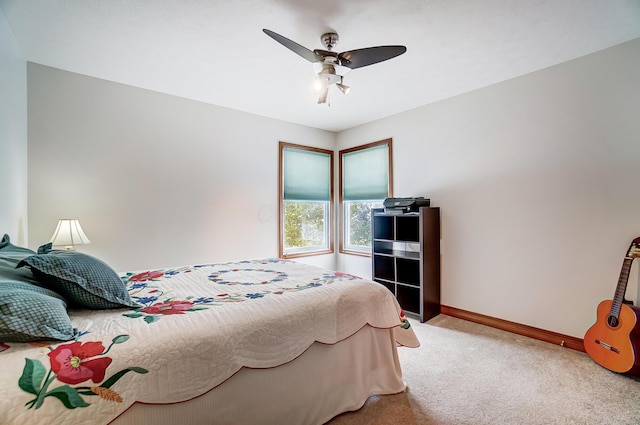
(307, 175)
(365, 174)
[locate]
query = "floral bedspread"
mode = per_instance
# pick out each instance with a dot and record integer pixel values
(196, 326)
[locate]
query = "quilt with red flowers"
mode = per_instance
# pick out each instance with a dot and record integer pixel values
(194, 328)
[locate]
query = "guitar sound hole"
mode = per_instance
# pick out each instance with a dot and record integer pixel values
(612, 321)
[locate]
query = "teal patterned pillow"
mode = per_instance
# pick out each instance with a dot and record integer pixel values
(10, 255)
(23, 279)
(5, 241)
(83, 280)
(28, 311)
(26, 316)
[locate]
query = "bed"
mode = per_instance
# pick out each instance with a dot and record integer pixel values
(260, 341)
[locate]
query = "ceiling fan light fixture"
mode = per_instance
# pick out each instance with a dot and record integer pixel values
(343, 88)
(324, 94)
(318, 86)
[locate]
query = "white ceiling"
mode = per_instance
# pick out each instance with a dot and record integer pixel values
(215, 51)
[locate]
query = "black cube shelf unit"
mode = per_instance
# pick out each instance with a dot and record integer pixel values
(406, 258)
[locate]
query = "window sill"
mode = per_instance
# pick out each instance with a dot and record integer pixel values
(358, 253)
(306, 254)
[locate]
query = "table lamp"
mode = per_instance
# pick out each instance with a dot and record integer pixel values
(68, 234)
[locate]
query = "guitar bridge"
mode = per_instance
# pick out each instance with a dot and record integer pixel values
(607, 346)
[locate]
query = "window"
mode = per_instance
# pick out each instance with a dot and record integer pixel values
(306, 200)
(365, 182)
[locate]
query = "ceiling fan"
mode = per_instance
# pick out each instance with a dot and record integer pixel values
(331, 66)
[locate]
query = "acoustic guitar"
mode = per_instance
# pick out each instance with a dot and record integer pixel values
(614, 340)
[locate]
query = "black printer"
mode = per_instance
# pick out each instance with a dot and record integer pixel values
(404, 205)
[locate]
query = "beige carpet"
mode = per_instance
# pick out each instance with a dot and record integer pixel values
(469, 374)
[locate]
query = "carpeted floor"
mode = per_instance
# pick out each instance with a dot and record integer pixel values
(470, 374)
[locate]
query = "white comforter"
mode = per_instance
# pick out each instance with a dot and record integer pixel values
(198, 325)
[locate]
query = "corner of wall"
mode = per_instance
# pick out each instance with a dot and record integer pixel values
(13, 136)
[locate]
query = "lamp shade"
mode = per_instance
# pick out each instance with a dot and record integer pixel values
(69, 233)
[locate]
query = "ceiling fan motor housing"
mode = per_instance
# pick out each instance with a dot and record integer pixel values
(328, 74)
(329, 39)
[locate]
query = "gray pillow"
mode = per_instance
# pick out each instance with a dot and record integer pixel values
(27, 315)
(83, 280)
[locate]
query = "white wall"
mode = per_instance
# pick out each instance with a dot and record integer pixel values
(13, 137)
(155, 180)
(537, 180)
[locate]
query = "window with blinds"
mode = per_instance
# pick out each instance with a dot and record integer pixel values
(306, 200)
(365, 182)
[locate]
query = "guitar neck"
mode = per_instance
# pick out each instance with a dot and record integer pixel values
(621, 289)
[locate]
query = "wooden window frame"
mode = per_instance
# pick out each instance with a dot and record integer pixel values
(389, 143)
(331, 231)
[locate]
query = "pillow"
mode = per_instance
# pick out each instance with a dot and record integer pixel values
(10, 255)
(28, 311)
(83, 280)
(5, 241)
(27, 315)
(23, 279)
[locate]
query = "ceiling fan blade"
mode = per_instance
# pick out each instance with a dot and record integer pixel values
(294, 47)
(368, 56)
